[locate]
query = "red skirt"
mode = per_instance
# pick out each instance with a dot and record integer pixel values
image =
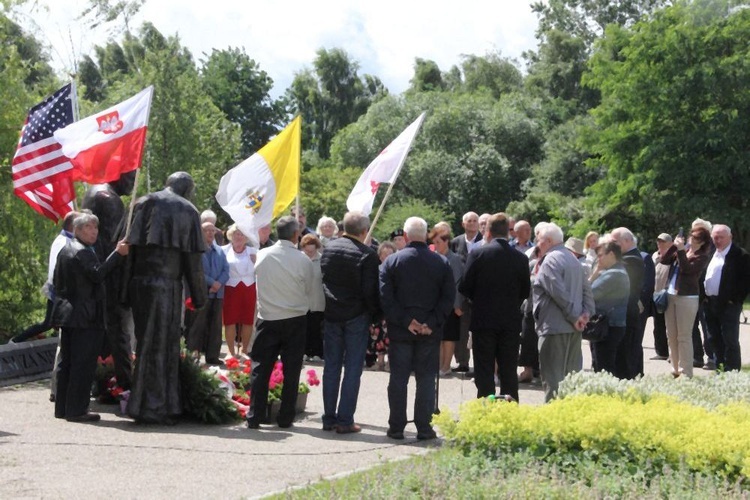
(239, 304)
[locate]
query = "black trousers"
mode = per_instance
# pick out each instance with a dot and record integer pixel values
(701, 345)
(314, 342)
(421, 356)
(660, 335)
(603, 353)
(204, 334)
(490, 346)
(79, 348)
(529, 344)
(285, 337)
(117, 341)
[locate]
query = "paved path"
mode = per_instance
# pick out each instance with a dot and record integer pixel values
(41, 457)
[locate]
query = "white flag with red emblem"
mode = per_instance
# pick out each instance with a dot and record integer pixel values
(383, 169)
(108, 144)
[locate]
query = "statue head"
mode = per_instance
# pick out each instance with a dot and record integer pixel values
(124, 185)
(181, 183)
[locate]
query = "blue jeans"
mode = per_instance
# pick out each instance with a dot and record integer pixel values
(421, 357)
(344, 346)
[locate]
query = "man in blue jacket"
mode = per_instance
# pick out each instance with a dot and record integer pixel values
(416, 293)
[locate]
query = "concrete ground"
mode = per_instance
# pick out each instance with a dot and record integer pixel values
(41, 457)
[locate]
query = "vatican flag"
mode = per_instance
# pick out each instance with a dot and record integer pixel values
(262, 187)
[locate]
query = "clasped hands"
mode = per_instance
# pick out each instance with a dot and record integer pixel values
(581, 322)
(418, 328)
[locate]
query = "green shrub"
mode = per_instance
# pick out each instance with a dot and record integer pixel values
(648, 434)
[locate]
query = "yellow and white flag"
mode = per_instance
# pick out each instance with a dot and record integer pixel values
(262, 187)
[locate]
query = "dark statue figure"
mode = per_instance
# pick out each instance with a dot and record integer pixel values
(166, 244)
(104, 201)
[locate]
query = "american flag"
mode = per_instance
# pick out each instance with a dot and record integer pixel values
(41, 172)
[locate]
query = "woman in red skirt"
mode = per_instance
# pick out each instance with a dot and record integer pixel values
(239, 294)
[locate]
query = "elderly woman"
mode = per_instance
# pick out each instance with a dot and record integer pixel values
(377, 346)
(441, 239)
(687, 265)
(327, 230)
(610, 285)
(310, 245)
(239, 291)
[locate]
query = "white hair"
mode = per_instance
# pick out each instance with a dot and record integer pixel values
(415, 228)
(538, 228)
(552, 232)
(467, 215)
(623, 234)
(208, 216)
(325, 220)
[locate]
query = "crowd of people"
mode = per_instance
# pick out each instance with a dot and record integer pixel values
(412, 305)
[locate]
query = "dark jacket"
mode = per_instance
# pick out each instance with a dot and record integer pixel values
(416, 283)
(350, 279)
(690, 270)
(635, 268)
(80, 298)
(496, 280)
(458, 245)
(649, 279)
(735, 276)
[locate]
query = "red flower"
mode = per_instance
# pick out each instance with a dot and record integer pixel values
(232, 363)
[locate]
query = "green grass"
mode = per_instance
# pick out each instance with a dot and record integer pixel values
(447, 473)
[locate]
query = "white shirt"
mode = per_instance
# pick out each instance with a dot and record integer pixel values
(241, 267)
(284, 277)
(713, 272)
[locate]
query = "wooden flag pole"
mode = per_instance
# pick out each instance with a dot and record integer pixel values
(133, 197)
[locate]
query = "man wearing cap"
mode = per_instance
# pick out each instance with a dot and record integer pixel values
(661, 273)
(726, 284)
(397, 237)
(575, 246)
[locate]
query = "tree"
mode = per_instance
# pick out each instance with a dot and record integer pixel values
(239, 88)
(427, 76)
(492, 73)
(673, 127)
(330, 97)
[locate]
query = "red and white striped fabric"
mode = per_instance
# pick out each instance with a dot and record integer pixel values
(106, 145)
(41, 172)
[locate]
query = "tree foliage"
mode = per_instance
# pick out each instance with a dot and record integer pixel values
(673, 128)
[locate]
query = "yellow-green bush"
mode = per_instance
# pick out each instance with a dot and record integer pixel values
(658, 431)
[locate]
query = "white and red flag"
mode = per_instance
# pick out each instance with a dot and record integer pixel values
(383, 169)
(41, 172)
(108, 144)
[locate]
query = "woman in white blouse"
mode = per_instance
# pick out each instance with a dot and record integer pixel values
(239, 293)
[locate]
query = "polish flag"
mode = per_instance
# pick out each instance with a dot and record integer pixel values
(106, 145)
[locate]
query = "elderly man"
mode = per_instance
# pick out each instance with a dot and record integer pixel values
(563, 303)
(350, 283)
(416, 292)
(496, 279)
(727, 283)
(205, 328)
(166, 249)
(285, 288)
(80, 309)
(630, 351)
(522, 243)
(462, 245)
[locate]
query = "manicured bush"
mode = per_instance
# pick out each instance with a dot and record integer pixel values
(648, 433)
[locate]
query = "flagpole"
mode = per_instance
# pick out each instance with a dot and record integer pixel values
(76, 116)
(299, 179)
(133, 197)
(390, 186)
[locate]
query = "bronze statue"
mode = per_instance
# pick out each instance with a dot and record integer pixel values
(166, 247)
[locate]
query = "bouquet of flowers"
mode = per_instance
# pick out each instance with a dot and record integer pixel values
(276, 383)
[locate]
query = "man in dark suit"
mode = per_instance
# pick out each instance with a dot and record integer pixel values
(416, 293)
(496, 280)
(647, 295)
(630, 350)
(462, 245)
(726, 284)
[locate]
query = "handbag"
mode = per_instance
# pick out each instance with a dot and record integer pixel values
(661, 300)
(597, 329)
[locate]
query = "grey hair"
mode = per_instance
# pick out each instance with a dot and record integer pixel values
(467, 215)
(286, 227)
(208, 216)
(552, 232)
(355, 223)
(85, 217)
(538, 228)
(415, 228)
(325, 220)
(624, 234)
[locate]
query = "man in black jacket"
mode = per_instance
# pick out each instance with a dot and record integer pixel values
(726, 285)
(496, 279)
(80, 305)
(417, 293)
(350, 283)
(631, 347)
